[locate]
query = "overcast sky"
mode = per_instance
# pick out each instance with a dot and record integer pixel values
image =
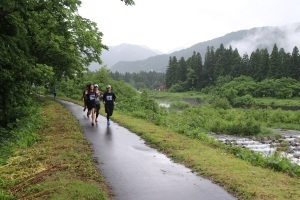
(169, 24)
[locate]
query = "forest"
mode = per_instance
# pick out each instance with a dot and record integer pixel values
(193, 74)
(226, 73)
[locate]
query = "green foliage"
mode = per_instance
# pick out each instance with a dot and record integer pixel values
(243, 100)
(142, 80)
(20, 134)
(277, 118)
(230, 94)
(177, 87)
(179, 105)
(275, 162)
(241, 90)
(221, 103)
(224, 64)
(144, 108)
(6, 196)
(218, 117)
(41, 43)
(286, 88)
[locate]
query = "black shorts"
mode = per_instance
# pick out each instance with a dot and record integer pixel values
(109, 109)
(90, 106)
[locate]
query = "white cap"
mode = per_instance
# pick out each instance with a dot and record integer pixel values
(96, 85)
(108, 86)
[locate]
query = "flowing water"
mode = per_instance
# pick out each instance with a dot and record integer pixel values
(288, 145)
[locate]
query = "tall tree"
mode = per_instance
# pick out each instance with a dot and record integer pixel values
(195, 62)
(209, 67)
(222, 60)
(284, 64)
(274, 65)
(235, 64)
(191, 78)
(295, 64)
(171, 72)
(254, 64)
(245, 64)
(182, 70)
(263, 69)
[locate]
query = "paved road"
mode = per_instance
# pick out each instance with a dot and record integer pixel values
(138, 172)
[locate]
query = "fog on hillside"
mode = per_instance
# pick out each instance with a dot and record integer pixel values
(286, 37)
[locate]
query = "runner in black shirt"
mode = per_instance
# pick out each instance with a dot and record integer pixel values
(90, 103)
(109, 99)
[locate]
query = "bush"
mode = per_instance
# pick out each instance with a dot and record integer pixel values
(243, 101)
(221, 103)
(177, 88)
(179, 105)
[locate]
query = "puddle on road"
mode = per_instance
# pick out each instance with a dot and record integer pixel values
(143, 148)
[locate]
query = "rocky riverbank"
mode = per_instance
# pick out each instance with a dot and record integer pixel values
(288, 143)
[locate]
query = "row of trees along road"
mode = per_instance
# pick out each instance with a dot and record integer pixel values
(194, 74)
(41, 43)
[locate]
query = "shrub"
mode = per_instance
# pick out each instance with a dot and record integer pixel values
(221, 103)
(180, 105)
(243, 101)
(176, 88)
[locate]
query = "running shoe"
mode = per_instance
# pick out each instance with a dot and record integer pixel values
(84, 109)
(93, 124)
(108, 123)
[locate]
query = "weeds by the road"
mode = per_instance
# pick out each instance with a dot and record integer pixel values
(59, 166)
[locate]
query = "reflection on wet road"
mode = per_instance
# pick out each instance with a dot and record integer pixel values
(136, 171)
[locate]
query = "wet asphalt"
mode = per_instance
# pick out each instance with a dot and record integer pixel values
(137, 172)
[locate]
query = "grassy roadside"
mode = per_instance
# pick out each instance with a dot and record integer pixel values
(236, 176)
(59, 166)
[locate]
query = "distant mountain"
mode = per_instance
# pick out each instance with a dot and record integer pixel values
(124, 52)
(246, 41)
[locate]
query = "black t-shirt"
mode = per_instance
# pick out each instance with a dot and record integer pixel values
(109, 98)
(90, 97)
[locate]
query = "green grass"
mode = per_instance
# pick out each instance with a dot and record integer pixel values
(59, 165)
(277, 102)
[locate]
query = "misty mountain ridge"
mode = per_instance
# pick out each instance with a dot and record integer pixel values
(124, 52)
(246, 41)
